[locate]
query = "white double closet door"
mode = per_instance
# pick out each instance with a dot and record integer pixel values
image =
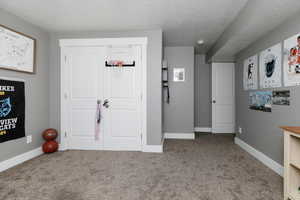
(88, 81)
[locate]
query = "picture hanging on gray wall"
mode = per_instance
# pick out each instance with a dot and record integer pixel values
(261, 101)
(281, 97)
(12, 110)
(270, 67)
(291, 61)
(250, 73)
(17, 51)
(178, 75)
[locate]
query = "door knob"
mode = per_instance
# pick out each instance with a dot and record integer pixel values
(214, 101)
(105, 103)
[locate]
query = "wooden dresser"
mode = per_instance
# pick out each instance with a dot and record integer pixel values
(291, 163)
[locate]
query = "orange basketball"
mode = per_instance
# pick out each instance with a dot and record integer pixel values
(50, 146)
(50, 134)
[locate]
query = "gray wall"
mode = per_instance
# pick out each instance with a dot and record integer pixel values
(36, 89)
(202, 92)
(154, 94)
(260, 129)
(179, 114)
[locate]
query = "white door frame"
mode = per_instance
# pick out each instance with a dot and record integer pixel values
(64, 94)
(213, 97)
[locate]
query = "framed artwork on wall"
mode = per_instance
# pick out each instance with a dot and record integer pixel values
(178, 75)
(17, 51)
(12, 109)
(281, 97)
(270, 67)
(291, 61)
(251, 73)
(261, 101)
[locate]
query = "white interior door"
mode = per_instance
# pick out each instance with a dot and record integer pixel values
(84, 87)
(223, 98)
(85, 80)
(122, 116)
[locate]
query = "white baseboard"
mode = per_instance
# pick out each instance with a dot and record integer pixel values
(185, 136)
(276, 167)
(147, 148)
(61, 147)
(203, 129)
(6, 164)
(153, 148)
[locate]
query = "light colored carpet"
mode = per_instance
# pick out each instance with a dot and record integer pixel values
(208, 168)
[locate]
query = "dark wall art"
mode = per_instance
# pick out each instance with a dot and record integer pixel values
(12, 110)
(281, 97)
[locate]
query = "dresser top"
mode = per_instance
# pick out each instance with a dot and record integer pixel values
(293, 129)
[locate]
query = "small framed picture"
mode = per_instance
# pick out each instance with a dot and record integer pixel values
(17, 51)
(179, 75)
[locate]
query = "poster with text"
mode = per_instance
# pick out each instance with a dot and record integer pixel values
(250, 73)
(291, 61)
(270, 67)
(12, 110)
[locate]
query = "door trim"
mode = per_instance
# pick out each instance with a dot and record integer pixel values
(65, 43)
(103, 41)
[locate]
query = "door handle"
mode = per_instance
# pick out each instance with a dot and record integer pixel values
(213, 101)
(105, 103)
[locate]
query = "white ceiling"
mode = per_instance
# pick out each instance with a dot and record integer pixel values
(257, 19)
(182, 21)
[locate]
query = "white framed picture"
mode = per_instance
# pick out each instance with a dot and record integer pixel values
(179, 75)
(270, 67)
(17, 51)
(291, 61)
(251, 73)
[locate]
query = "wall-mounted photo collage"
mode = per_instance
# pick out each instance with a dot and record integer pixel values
(273, 65)
(268, 69)
(263, 100)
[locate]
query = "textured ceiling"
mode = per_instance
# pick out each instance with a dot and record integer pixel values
(182, 21)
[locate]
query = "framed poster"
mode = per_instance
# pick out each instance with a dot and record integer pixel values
(291, 61)
(12, 110)
(261, 101)
(179, 75)
(17, 51)
(251, 73)
(270, 67)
